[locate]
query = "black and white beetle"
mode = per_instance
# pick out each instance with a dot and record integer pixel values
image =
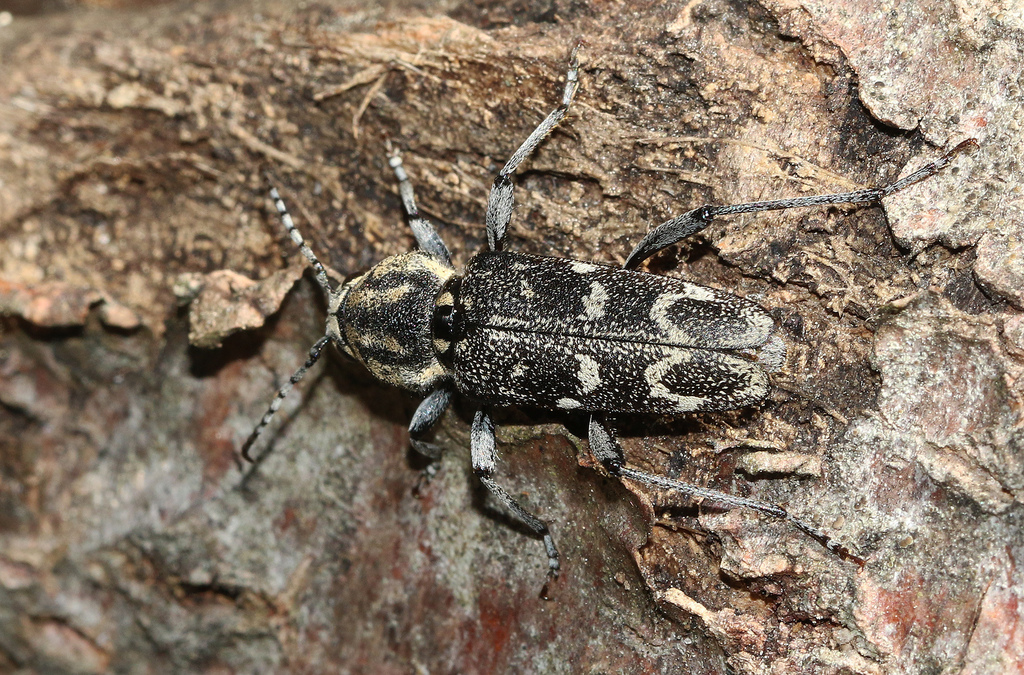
(556, 333)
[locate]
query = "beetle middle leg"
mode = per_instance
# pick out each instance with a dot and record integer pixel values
(606, 449)
(500, 200)
(484, 456)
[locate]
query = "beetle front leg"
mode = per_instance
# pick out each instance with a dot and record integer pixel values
(500, 200)
(484, 456)
(427, 414)
(426, 234)
(606, 449)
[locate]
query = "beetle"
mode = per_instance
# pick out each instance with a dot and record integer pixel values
(556, 333)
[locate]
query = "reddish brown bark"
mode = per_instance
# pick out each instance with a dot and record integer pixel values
(133, 217)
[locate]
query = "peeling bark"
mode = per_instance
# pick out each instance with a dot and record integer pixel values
(136, 236)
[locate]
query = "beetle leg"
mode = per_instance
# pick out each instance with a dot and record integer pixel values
(500, 200)
(426, 235)
(607, 450)
(426, 415)
(692, 222)
(482, 450)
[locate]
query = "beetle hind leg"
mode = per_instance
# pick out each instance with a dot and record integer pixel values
(692, 222)
(482, 449)
(606, 449)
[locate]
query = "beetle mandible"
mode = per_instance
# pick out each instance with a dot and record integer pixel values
(557, 333)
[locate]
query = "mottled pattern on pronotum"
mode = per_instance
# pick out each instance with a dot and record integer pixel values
(516, 329)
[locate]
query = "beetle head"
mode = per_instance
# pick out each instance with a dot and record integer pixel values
(383, 319)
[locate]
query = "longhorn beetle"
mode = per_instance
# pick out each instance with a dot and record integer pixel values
(556, 333)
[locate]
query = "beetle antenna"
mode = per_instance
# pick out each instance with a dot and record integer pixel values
(317, 349)
(282, 394)
(293, 232)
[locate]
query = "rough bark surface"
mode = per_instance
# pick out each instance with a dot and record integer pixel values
(142, 268)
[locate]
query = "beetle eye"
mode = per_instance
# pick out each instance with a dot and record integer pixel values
(443, 322)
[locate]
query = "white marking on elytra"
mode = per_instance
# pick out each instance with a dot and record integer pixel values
(748, 330)
(593, 304)
(583, 267)
(518, 371)
(588, 375)
(655, 373)
(568, 403)
(527, 291)
(664, 320)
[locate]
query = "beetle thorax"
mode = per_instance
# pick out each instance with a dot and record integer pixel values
(384, 319)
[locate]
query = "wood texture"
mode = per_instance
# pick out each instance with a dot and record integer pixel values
(134, 226)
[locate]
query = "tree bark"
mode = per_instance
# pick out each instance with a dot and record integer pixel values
(151, 310)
